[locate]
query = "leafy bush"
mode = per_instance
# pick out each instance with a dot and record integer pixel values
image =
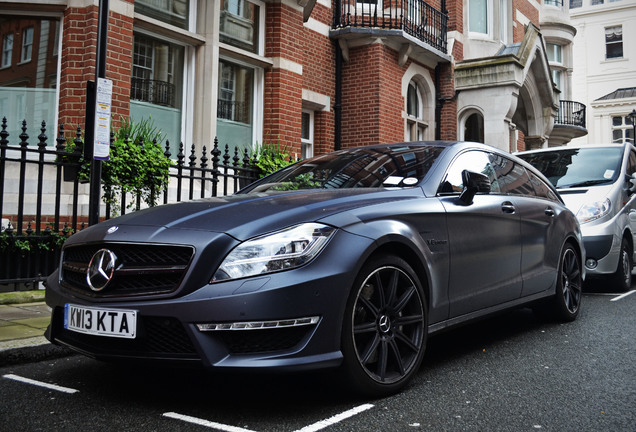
(270, 158)
(136, 165)
(24, 244)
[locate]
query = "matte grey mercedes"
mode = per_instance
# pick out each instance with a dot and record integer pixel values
(347, 260)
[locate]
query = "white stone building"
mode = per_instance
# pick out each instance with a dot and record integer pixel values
(604, 72)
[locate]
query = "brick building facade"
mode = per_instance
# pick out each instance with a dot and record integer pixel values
(311, 76)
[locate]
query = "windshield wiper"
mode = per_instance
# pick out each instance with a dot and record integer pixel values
(586, 183)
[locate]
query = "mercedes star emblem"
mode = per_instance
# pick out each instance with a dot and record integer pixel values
(100, 269)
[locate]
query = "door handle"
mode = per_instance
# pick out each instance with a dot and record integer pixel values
(549, 211)
(508, 207)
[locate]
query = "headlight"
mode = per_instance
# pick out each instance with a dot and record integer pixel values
(282, 250)
(593, 211)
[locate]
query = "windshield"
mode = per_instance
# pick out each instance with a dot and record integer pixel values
(371, 167)
(578, 167)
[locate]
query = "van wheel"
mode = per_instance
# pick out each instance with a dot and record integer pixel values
(622, 278)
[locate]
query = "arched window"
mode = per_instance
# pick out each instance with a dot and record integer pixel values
(415, 124)
(474, 128)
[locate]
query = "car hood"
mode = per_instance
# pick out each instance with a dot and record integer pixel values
(575, 198)
(240, 216)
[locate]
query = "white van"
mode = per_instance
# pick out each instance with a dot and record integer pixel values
(597, 183)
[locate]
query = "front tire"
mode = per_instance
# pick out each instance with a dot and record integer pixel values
(622, 278)
(385, 327)
(567, 301)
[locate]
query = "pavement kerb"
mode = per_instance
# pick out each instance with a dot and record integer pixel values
(27, 348)
(34, 350)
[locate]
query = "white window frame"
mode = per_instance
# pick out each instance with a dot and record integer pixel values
(623, 127)
(489, 22)
(257, 95)
(504, 21)
(254, 61)
(187, 99)
(621, 42)
(7, 50)
(26, 54)
(415, 124)
(555, 54)
(308, 142)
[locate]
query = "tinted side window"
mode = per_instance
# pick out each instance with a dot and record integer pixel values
(512, 178)
(541, 188)
(475, 161)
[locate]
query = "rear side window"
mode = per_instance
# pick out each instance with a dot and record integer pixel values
(512, 178)
(541, 188)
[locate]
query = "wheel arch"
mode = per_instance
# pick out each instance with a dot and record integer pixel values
(628, 235)
(412, 257)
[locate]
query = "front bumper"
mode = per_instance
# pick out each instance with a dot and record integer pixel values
(605, 252)
(168, 331)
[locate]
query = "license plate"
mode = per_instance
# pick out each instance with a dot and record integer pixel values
(120, 323)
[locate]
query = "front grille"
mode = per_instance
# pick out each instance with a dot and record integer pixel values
(140, 269)
(156, 337)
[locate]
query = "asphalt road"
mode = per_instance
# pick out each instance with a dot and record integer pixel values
(514, 372)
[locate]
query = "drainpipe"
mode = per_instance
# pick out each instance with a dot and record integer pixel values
(337, 108)
(439, 103)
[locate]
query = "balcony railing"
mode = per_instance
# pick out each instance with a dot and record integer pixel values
(571, 113)
(414, 17)
(153, 91)
(233, 110)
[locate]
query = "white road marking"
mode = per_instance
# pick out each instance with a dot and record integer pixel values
(335, 419)
(206, 423)
(622, 296)
(311, 428)
(40, 384)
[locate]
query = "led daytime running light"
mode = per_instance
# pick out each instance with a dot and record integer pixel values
(258, 325)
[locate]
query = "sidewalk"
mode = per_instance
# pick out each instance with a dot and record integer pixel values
(22, 338)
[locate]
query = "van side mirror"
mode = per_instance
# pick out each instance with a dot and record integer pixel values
(474, 183)
(631, 183)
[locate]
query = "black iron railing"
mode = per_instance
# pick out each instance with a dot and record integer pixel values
(153, 91)
(571, 113)
(415, 17)
(233, 110)
(35, 225)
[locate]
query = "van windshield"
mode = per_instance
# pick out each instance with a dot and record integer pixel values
(578, 167)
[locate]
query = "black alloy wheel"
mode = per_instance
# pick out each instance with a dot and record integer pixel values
(384, 333)
(570, 284)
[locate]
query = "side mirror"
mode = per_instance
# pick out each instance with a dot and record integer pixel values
(474, 183)
(631, 183)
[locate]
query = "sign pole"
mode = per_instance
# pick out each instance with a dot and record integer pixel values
(92, 101)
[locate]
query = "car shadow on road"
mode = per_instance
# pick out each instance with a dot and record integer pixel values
(474, 337)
